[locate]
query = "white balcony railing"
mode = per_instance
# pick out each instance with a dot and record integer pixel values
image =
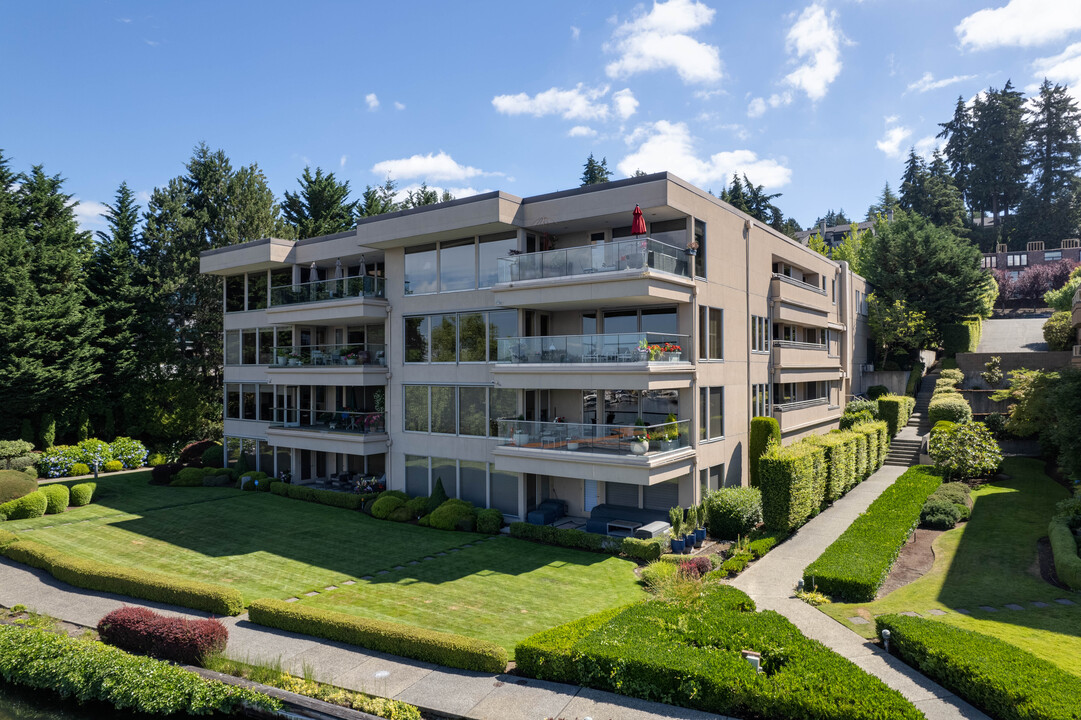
(800, 404)
(799, 283)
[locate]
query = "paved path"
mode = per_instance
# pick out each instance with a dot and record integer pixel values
(453, 693)
(771, 582)
(1012, 335)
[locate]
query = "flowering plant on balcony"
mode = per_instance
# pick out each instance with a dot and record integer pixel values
(656, 349)
(373, 422)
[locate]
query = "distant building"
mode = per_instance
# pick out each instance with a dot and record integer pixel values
(1015, 261)
(1076, 318)
(835, 234)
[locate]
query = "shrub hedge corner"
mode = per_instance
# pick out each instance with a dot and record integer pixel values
(763, 430)
(28, 506)
(792, 481)
(1064, 548)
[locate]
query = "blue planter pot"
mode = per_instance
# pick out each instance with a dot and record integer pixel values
(699, 537)
(677, 546)
(688, 542)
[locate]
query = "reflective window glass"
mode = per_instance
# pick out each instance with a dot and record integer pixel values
(420, 270)
(457, 265)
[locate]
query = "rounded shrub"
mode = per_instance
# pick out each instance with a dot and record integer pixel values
(113, 466)
(966, 450)
(1058, 331)
(188, 477)
(15, 484)
(996, 423)
(156, 460)
(850, 420)
(950, 407)
(763, 431)
(454, 514)
(964, 511)
(82, 494)
(164, 474)
(489, 520)
(858, 404)
(28, 506)
(955, 492)
(57, 497)
(952, 374)
(214, 456)
(417, 506)
(938, 513)
(131, 453)
(79, 469)
(733, 512)
(876, 391)
(657, 574)
(394, 493)
(385, 505)
(94, 452)
(400, 514)
(31, 472)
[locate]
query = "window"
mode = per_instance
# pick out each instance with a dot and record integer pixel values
(232, 347)
(234, 293)
(416, 339)
(420, 270)
(711, 478)
(249, 403)
(416, 475)
(471, 411)
(1017, 260)
(248, 347)
(444, 338)
(760, 400)
(457, 265)
(700, 260)
(416, 408)
(990, 261)
(710, 334)
(232, 401)
(491, 248)
(504, 490)
(784, 393)
(458, 337)
(257, 292)
(670, 232)
(834, 292)
(445, 471)
(471, 333)
(266, 402)
(1050, 255)
(760, 332)
(711, 413)
(444, 409)
(501, 324)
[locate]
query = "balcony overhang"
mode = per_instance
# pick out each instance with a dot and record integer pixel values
(633, 469)
(806, 374)
(328, 440)
(329, 312)
(596, 376)
(356, 375)
(632, 286)
(264, 254)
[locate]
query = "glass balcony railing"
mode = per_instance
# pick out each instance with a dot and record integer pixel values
(369, 354)
(590, 259)
(596, 439)
(324, 290)
(640, 347)
(342, 421)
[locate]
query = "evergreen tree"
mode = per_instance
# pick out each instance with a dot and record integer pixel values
(833, 219)
(913, 191)
(595, 172)
(958, 135)
(760, 204)
(1049, 210)
(378, 200)
(851, 249)
(997, 153)
(942, 202)
(321, 207)
(886, 203)
(735, 196)
(424, 195)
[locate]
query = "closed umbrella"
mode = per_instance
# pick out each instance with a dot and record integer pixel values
(638, 224)
(363, 275)
(314, 273)
(338, 275)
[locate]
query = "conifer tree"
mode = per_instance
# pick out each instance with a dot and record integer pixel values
(595, 172)
(913, 193)
(886, 203)
(735, 196)
(958, 135)
(321, 207)
(378, 200)
(997, 152)
(1050, 209)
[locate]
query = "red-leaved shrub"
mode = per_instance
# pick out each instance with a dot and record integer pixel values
(181, 640)
(192, 453)
(695, 567)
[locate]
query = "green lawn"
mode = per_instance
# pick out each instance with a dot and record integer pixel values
(500, 590)
(991, 560)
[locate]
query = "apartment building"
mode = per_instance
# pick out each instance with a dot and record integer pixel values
(520, 349)
(1035, 253)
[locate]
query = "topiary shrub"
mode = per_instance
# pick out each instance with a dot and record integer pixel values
(764, 431)
(385, 505)
(840, 459)
(454, 514)
(57, 497)
(417, 507)
(733, 512)
(31, 472)
(188, 477)
(400, 514)
(164, 474)
(214, 456)
(489, 521)
(10, 450)
(1058, 331)
(939, 513)
(950, 407)
(82, 494)
(895, 410)
(32, 505)
(643, 550)
(439, 495)
(876, 391)
(966, 450)
(113, 466)
(182, 640)
(78, 469)
(952, 374)
(789, 479)
(156, 460)
(15, 484)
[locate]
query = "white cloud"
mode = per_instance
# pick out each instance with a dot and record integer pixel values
(398, 105)
(152, 43)
(581, 131)
(659, 39)
(665, 145)
(576, 32)
(892, 139)
(123, 20)
(372, 101)
(928, 82)
(342, 161)
(757, 106)
(578, 103)
(431, 167)
(925, 147)
(88, 214)
(1064, 68)
(815, 38)
(625, 103)
(1020, 23)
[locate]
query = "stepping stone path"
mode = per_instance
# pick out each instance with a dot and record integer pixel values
(1039, 604)
(442, 554)
(454, 550)
(429, 558)
(859, 621)
(1064, 601)
(1014, 606)
(414, 562)
(963, 611)
(367, 577)
(910, 613)
(988, 608)
(399, 567)
(331, 587)
(936, 611)
(383, 572)
(313, 593)
(292, 599)
(350, 582)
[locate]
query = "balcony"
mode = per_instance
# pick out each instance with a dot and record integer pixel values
(1076, 359)
(638, 271)
(328, 301)
(643, 455)
(798, 302)
(801, 414)
(328, 430)
(635, 361)
(355, 364)
(801, 361)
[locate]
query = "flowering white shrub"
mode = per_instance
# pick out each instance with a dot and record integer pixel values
(57, 461)
(94, 453)
(965, 450)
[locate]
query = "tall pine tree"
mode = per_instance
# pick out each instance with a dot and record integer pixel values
(886, 203)
(997, 152)
(1050, 209)
(321, 207)
(595, 172)
(958, 135)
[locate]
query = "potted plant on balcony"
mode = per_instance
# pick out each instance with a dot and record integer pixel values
(700, 531)
(692, 248)
(670, 433)
(643, 350)
(640, 440)
(521, 437)
(675, 519)
(294, 359)
(283, 356)
(351, 357)
(636, 258)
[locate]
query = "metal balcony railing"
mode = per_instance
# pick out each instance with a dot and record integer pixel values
(343, 421)
(326, 290)
(355, 354)
(643, 347)
(799, 345)
(800, 404)
(591, 259)
(626, 440)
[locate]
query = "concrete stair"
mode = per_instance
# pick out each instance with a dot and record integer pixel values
(904, 452)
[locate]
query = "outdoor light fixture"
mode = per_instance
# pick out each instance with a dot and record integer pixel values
(886, 639)
(799, 585)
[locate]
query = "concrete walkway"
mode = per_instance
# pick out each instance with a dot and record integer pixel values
(435, 689)
(771, 582)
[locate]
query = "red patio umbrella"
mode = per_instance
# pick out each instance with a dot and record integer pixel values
(638, 225)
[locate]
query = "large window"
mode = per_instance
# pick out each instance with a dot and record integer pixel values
(700, 260)
(416, 339)
(416, 475)
(473, 411)
(760, 400)
(759, 334)
(461, 337)
(253, 346)
(711, 413)
(711, 333)
(444, 409)
(491, 248)
(416, 408)
(458, 410)
(444, 338)
(457, 265)
(420, 270)
(247, 292)
(711, 478)
(234, 293)
(453, 265)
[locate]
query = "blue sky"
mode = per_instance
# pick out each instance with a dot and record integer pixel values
(817, 100)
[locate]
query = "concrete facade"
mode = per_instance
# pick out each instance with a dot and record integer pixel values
(507, 346)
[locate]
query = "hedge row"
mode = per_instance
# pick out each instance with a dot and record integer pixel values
(915, 378)
(92, 671)
(349, 501)
(183, 640)
(895, 410)
(28, 506)
(1064, 548)
(1001, 679)
(440, 648)
(644, 550)
(690, 655)
(103, 577)
(857, 563)
(962, 337)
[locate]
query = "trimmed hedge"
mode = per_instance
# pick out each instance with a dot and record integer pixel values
(57, 497)
(643, 550)
(440, 648)
(453, 514)
(94, 575)
(875, 456)
(793, 483)
(952, 374)
(863, 461)
(895, 410)
(840, 459)
(763, 430)
(732, 512)
(566, 537)
(961, 337)
(489, 520)
(690, 655)
(14, 484)
(1064, 549)
(82, 493)
(349, 501)
(385, 505)
(877, 391)
(949, 406)
(182, 640)
(92, 671)
(1001, 679)
(28, 506)
(915, 379)
(857, 563)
